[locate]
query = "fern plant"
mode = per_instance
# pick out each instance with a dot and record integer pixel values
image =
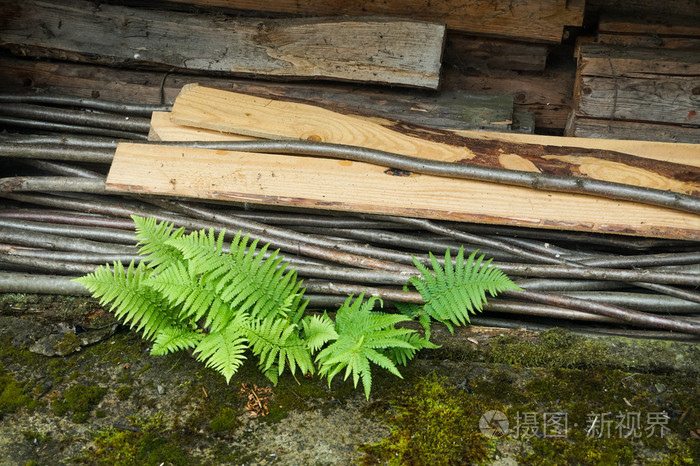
(187, 293)
(454, 291)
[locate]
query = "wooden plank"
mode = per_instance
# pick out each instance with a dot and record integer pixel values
(647, 85)
(548, 95)
(529, 20)
(668, 32)
(656, 25)
(667, 100)
(368, 49)
(633, 40)
(685, 154)
(447, 109)
(253, 116)
(685, 8)
(617, 129)
(606, 60)
(485, 54)
(162, 129)
(358, 187)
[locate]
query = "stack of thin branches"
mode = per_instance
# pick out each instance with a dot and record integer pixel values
(57, 222)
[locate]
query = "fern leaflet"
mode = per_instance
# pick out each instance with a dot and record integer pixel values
(170, 340)
(453, 292)
(127, 294)
(363, 335)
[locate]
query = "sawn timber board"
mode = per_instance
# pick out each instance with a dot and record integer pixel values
(358, 187)
(238, 113)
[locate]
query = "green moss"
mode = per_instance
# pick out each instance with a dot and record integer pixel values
(79, 399)
(68, 344)
(556, 348)
(13, 395)
(124, 392)
(434, 424)
(579, 450)
(152, 442)
(225, 421)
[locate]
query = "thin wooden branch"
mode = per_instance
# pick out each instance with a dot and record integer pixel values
(143, 110)
(77, 117)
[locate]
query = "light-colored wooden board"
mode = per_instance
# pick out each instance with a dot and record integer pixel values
(237, 113)
(686, 154)
(351, 186)
(530, 20)
(368, 49)
(162, 129)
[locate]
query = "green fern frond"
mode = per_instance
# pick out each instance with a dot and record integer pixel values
(277, 344)
(193, 295)
(170, 340)
(152, 237)
(223, 351)
(453, 292)
(242, 279)
(126, 293)
(363, 337)
(318, 330)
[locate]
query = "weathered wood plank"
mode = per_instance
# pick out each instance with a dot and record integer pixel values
(647, 85)
(609, 61)
(657, 26)
(530, 20)
(485, 54)
(617, 129)
(368, 49)
(668, 32)
(667, 100)
(448, 109)
(548, 95)
(358, 187)
(685, 8)
(253, 116)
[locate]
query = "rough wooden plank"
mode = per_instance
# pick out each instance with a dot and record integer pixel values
(661, 26)
(447, 109)
(667, 100)
(253, 116)
(533, 20)
(358, 187)
(668, 32)
(162, 129)
(617, 129)
(484, 54)
(548, 95)
(633, 40)
(647, 85)
(369, 49)
(685, 8)
(685, 154)
(606, 60)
